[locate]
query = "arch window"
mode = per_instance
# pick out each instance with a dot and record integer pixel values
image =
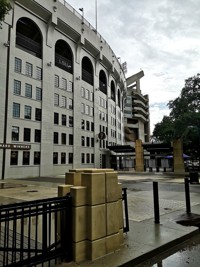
(112, 91)
(103, 82)
(63, 56)
(28, 37)
(119, 98)
(87, 71)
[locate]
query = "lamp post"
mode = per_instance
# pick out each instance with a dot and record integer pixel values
(96, 13)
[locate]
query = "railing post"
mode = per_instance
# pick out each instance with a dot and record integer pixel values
(187, 195)
(124, 198)
(156, 202)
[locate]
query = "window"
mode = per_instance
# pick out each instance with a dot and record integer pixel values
(88, 157)
(26, 158)
(56, 99)
(70, 86)
(64, 83)
(88, 141)
(38, 114)
(70, 103)
(83, 124)
(92, 158)
(38, 73)
(14, 158)
(64, 120)
(63, 138)
(87, 94)
(56, 81)
(55, 137)
(28, 90)
(15, 133)
(55, 157)
(92, 126)
(36, 158)
(16, 110)
(87, 109)
(37, 136)
(64, 102)
(38, 93)
(82, 158)
(70, 158)
(87, 125)
(92, 142)
(56, 118)
(82, 108)
(82, 92)
(29, 69)
(82, 140)
(63, 158)
(27, 112)
(18, 65)
(71, 139)
(27, 134)
(17, 87)
(71, 121)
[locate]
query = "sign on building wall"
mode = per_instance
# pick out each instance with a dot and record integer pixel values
(15, 146)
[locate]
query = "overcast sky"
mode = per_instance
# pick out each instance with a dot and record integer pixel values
(161, 37)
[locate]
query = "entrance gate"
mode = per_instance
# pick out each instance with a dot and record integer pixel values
(35, 232)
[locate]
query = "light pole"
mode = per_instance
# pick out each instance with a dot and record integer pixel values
(96, 13)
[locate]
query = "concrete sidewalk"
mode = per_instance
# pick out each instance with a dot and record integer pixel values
(145, 238)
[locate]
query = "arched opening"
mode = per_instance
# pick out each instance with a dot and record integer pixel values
(103, 82)
(63, 56)
(28, 37)
(112, 91)
(87, 71)
(119, 98)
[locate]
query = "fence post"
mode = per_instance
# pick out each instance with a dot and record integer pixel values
(187, 195)
(156, 202)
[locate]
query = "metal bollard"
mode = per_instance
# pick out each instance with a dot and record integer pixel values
(156, 202)
(187, 195)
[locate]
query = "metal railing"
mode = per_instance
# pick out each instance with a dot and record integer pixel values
(125, 202)
(64, 63)
(35, 232)
(29, 44)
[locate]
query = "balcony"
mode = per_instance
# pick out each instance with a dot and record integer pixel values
(64, 63)
(29, 45)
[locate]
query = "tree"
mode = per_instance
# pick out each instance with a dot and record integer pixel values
(184, 119)
(5, 7)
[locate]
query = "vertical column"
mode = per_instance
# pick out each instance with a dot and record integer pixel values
(139, 156)
(178, 156)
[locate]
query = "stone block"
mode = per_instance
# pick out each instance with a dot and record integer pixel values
(95, 183)
(97, 170)
(79, 251)
(121, 237)
(78, 194)
(112, 193)
(73, 178)
(112, 218)
(96, 222)
(119, 191)
(96, 249)
(79, 222)
(120, 213)
(112, 243)
(63, 190)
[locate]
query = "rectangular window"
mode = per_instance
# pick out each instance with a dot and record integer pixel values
(63, 157)
(82, 92)
(82, 108)
(38, 73)
(86, 109)
(92, 126)
(71, 121)
(55, 157)
(70, 86)
(87, 125)
(88, 141)
(29, 69)
(70, 158)
(17, 87)
(18, 65)
(64, 120)
(63, 102)
(38, 94)
(37, 136)
(36, 158)
(55, 137)
(92, 142)
(82, 140)
(56, 81)
(71, 139)
(91, 96)
(28, 90)
(14, 158)
(26, 158)
(27, 112)
(56, 118)
(27, 134)
(82, 158)
(56, 99)
(63, 138)
(92, 158)
(16, 110)
(88, 157)
(87, 92)
(91, 111)
(15, 133)
(70, 103)
(83, 124)
(64, 83)
(38, 114)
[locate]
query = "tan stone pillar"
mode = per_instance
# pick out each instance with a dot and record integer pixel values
(178, 156)
(139, 154)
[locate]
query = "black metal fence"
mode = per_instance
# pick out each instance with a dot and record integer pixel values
(35, 232)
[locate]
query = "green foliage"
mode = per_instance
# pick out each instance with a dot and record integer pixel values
(5, 7)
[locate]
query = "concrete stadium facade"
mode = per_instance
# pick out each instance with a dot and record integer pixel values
(62, 92)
